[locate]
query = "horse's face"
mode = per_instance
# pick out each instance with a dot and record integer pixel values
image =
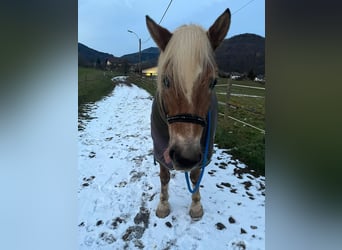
(186, 76)
(185, 137)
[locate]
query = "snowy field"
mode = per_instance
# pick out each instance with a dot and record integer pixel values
(119, 187)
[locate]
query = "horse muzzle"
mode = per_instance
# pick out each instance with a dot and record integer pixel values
(185, 158)
(186, 154)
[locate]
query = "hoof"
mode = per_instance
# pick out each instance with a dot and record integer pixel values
(196, 211)
(163, 210)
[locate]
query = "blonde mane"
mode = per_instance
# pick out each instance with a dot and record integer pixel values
(187, 56)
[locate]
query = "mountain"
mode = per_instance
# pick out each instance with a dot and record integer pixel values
(243, 53)
(89, 57)
(149, 57)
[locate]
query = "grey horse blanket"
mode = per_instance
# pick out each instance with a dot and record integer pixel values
(160, 133)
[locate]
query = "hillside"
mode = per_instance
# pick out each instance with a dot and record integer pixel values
(241, 53)
(149, 57)
(89, 57)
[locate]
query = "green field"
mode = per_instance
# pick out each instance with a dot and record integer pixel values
(244, 143)
(93, 84)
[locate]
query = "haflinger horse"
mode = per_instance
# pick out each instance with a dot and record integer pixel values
(185, 98)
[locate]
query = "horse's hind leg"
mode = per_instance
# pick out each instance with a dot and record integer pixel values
(196, 209)
(163, 208)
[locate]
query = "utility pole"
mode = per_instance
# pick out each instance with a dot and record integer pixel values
(139, 56)
(139, 39)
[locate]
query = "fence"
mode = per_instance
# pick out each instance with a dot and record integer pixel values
(228, 105)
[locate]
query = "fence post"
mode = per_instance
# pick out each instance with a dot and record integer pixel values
(229, 88)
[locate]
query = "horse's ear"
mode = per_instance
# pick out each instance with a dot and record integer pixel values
(219, 29)
(159, 34)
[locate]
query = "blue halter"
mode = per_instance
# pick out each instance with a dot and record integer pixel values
(207, 139)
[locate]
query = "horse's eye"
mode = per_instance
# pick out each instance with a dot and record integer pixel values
(213, 83)
(166, 82)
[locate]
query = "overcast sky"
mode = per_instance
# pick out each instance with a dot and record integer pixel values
(103, 24)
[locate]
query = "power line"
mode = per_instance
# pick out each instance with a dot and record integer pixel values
(167, 8)
(244, 6)
(165, 11)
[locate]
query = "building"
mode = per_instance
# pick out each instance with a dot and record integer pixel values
(150, 71)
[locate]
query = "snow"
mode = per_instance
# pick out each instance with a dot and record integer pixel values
(119, 187)
(119, 78)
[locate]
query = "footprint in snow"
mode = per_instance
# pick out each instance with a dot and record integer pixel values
(88, 181)
(107, 237)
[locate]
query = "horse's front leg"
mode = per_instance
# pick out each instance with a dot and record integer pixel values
(163, 208)
(196, 209)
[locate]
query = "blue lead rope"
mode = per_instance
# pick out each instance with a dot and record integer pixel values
(207, 139)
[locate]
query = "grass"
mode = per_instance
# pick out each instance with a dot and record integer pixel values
(93, 84)
(243, 142)
(147, 83)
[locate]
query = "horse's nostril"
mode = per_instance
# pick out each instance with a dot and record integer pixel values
(187, 161)
(172, 153)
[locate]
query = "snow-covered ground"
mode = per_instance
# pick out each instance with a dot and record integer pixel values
(119, 187)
